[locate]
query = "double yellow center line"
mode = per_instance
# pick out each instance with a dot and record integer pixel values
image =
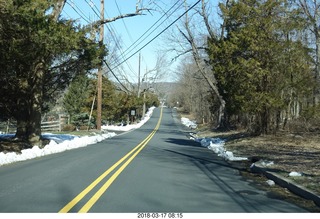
(127, 158)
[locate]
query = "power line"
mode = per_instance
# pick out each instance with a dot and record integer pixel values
(73, 7)
(112, 31)
(92, 4)
(129, 49)
(124, 24)
(158, 34)
(80, 10)
(133, 46)
(121, 50)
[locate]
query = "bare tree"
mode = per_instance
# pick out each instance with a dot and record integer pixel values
(311, 9)
(197, 51)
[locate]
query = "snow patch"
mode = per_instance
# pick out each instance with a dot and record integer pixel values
(188, 123)
(295, 174)
(264, 163)
(270, 182)
(130, 127)
(214, 144)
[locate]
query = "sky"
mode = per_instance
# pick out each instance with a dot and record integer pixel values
(144, 34)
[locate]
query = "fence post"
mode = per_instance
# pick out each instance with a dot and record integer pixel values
(60, 128)
(8, 124)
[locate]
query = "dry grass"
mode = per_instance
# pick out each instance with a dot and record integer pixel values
(289, 153)
(299, 153)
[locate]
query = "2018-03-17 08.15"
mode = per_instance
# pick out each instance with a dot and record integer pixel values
(160, 215)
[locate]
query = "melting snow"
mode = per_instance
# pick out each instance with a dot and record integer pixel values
(214, 144)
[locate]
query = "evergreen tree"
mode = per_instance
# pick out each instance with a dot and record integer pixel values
(256, 63)
(75, 99)
(39, 55)
(109, 99)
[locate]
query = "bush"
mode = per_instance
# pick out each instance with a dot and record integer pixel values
(83, 127)
(68, 128)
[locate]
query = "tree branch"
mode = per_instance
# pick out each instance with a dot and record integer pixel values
(57, 8)
(109, 20)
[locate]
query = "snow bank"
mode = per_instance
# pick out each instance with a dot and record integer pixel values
(130, 127)
(214, 144)
(62, 142)
(217, 145)
(58, 143)
(188, 123)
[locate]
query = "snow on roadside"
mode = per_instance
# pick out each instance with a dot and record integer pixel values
(130, 127)
(214, 144)
(188, 123)
(58, 143)
(62, 142)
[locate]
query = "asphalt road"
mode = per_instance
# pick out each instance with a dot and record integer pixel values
(152, 169)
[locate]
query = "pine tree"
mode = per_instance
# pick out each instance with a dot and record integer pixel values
(74, 100)
(39, 56)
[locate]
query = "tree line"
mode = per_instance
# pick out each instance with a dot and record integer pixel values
(259, 70)
(79, 102)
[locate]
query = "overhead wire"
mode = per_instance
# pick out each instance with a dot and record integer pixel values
(92, 5)
(95, 9)
(158, 34)
(127, 31)
(88, 19)
(123, 21)
(72, 5)
(123, 53)
(110, 27)
(129, 49)
(133, 46)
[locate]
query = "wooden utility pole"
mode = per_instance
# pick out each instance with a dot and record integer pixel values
(99, 97)
(139, 75)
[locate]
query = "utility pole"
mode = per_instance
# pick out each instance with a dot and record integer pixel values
(145, 80)
(139, 75)
(99, 97)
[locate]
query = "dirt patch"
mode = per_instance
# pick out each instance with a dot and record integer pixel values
(14, 145)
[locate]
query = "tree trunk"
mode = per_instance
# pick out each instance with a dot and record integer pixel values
(29, 123)
(264, 121)
(29, 128)
(317, 70)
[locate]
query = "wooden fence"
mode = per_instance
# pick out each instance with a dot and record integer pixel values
(51, 125)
